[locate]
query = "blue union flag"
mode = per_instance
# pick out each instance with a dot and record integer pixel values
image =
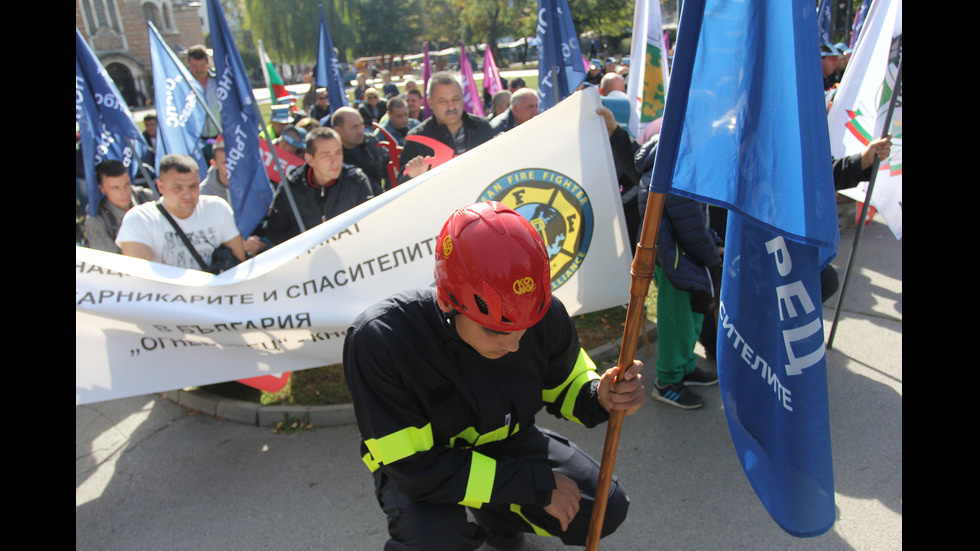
(249, 189)
(745, 128)
(181, 112)
(327, 72)
(560, 67)
(105, 124)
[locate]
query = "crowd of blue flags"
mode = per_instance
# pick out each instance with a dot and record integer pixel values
(744, 128)
(107, 129)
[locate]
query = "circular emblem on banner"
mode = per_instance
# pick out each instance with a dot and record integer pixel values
(557, 207)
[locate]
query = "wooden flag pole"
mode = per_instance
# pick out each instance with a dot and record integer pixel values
(641, 271)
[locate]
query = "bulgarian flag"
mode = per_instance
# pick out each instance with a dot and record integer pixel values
(277, 88)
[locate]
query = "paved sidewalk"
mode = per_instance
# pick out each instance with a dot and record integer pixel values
(151, 474)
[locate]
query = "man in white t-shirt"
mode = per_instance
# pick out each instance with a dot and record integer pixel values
(206, 220)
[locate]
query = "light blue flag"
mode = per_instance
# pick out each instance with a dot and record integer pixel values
(750, 117)
(249, 189)
(105, 125)
(560, 65)
(181, 113)
(745, 128)
(327, 71)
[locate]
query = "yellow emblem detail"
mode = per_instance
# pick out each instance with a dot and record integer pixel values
(447, 246)
(523, 285)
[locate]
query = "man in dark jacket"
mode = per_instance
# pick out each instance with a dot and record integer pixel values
(450, 131)
(322, 188)
(523, 107)
(446, 383)
(361, 149)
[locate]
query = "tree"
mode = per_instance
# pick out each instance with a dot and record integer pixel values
(289, 28)
(609, 18)
(489, 20)
(382, 26)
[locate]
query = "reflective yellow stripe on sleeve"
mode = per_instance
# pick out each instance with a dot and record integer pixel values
(516, 509)
(398, 445)
(474, 438)
(479, 485)
(583, 371)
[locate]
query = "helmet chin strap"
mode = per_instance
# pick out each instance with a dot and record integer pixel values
(448, 311)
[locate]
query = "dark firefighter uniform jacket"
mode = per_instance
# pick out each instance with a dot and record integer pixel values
(439, 418)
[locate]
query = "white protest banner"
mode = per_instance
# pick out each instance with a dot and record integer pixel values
(144, 327)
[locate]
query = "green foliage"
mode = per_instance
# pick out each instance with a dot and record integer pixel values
(385, 27)
(288, 28)
(290, 425)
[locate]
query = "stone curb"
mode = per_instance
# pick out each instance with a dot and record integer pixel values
(321, 416)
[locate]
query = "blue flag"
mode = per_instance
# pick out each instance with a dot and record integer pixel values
(560, 64)
(105, 125)
(859, 22)
(327, 72)
(181, 112)
(248, 184)
(745, 128)
(823, 21)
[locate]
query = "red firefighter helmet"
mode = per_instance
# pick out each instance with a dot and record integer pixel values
(492, 266)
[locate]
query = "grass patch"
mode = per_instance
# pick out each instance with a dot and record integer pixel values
(320, 386)
(598, 328)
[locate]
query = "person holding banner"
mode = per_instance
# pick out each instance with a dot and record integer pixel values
(323, 187)
(147, 233)
(450, 131)
(446, 382)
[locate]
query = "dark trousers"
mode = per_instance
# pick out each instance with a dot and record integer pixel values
(422, 526)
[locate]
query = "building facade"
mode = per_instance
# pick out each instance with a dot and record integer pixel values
(117, 32)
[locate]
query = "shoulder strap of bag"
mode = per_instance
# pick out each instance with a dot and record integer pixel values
(112, 227)
(180, 232)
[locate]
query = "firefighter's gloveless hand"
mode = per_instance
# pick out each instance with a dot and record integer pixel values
(628, 394)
